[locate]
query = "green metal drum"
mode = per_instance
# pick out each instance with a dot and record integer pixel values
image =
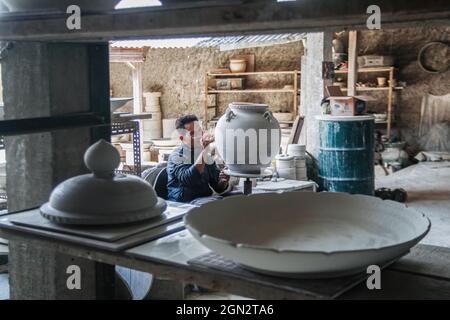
(346, 157)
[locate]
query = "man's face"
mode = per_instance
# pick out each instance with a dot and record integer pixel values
(192, 134)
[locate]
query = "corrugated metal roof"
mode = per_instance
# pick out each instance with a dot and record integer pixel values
(224, 43)
(159, 43)
(236, 42)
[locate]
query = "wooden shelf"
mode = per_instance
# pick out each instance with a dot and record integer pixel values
(373, 88)
(294, 91)
(251, 73)
(253, 91)
(367, 70)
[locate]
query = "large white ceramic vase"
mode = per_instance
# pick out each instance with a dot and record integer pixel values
(247, 137)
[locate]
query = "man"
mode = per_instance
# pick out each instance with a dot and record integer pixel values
(192, 174)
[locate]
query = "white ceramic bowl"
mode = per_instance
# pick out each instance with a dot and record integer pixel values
(309, 235)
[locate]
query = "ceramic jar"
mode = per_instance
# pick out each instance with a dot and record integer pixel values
(238, 65)
(247, 137)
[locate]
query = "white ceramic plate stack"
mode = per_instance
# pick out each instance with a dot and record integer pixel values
(307, 234)
(169, 128)
(152, 101)
(298, 152)
(285, 166)
(152, 128)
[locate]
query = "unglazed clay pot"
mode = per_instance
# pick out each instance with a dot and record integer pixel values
(62, 5)
(238, 65)
(247, 137)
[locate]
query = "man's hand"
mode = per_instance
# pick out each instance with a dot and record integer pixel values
(223, 180)
(206, 140)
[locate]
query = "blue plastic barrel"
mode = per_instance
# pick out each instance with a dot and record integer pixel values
(346, 156)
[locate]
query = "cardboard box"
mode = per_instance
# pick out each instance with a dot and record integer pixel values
(341, 105)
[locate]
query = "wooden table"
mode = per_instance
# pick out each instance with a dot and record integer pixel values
(38, 270)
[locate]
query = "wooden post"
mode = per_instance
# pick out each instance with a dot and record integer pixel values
(138, 106)
(389, 107)
(295, 110)
(206, 102)
(352, 77)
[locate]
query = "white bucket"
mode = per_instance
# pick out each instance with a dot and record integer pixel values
(287, 173)
(296, 150)
(284, 161)
(168, 128)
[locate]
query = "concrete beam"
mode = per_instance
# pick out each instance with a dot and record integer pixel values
(318, 49)
(247, 18)
(44, 80)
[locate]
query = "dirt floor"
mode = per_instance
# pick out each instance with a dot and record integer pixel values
(428, 187)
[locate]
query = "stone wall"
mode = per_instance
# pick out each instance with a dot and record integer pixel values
(179, 74)
(404, 45)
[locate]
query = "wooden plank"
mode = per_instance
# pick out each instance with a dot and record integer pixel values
(112, 233)
(255, 73)
(218, 282)
(367, 70)
(254, 91)
(296, 130)
(116, 246)
(241, 18)
(295, 94)
(352, 77)
(426, 260)
(389, 104)
(401, 285)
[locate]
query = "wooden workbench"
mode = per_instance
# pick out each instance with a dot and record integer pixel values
(38, 263)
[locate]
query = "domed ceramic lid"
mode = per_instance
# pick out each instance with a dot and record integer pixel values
(102, 197)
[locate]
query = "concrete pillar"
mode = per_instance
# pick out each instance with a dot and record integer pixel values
(318, 48)
(39, 80)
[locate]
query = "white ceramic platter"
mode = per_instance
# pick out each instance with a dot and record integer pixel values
(305, 234)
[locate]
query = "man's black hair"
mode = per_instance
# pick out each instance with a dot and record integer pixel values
(184, 120)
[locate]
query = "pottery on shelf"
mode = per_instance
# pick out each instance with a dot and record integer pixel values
(307, 234)
(61, 5)
(381, 81)
(102, 197)
(247, 137)
(238, 65)
(283, 116)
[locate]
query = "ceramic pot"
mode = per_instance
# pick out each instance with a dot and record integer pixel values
(283, 116)
(85, 5)
(238, 65)
(247, 137)
(285, 161)
(381, 81)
